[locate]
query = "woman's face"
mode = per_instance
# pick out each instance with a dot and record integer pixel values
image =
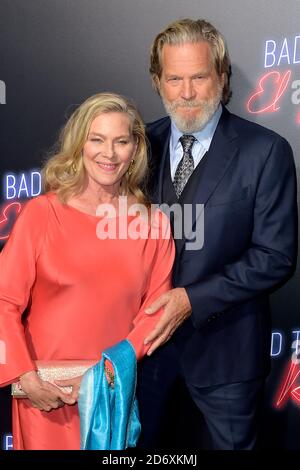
(108, 150)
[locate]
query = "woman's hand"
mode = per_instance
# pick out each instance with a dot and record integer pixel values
(43, 395)
(74, 383)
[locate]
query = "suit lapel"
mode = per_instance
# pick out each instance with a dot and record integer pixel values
(221, 153)
(160, 141)
(165, 155)
(222, 150)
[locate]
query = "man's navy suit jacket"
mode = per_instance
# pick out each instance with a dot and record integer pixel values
(248, 187)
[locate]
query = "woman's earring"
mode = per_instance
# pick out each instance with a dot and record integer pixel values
(131, 166)
(74, 167)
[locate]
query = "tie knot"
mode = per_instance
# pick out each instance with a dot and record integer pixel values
(187, 141)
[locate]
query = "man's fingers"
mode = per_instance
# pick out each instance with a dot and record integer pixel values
(159, 329)
(157, 304)
(159, 337)
(153, 335)
(165, 323)
(154, 346)
(159, 342)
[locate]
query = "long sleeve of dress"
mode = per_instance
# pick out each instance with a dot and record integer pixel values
(17, 276)
(159, 283)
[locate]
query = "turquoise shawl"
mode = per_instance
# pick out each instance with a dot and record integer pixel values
(109, 417)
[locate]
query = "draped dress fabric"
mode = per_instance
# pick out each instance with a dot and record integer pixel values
(84, 294)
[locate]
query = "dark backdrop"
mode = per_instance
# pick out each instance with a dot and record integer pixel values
(55, 53)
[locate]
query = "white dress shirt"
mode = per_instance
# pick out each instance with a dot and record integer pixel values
(201, 144)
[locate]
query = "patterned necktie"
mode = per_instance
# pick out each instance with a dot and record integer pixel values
(186, 165)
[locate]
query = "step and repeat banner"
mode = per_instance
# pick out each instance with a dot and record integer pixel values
(56, 53)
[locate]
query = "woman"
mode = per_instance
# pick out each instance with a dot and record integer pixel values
(86, 291)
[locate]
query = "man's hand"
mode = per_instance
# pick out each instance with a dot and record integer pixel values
(177, 308)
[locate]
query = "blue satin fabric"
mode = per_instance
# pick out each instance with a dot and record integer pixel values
(109, 418)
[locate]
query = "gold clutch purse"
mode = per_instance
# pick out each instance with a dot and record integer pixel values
(55, 370)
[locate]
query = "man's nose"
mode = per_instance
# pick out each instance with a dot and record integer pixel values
(188, 91)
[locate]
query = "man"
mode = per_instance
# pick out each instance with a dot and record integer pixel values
(244, 176)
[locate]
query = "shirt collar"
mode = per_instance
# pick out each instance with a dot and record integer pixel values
(204, 136)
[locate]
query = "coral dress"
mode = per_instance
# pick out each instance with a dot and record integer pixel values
(84, 294)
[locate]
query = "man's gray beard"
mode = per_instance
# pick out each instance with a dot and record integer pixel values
(197, 122)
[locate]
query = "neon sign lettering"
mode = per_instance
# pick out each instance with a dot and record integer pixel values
(287, 388)
(271, 80)
(23, 185)
(275, 54)
(273, 84)
(7, 442)
(276, 343)
(7, 218)
(290, 384)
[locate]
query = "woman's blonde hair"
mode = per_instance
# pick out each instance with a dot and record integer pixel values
(65, 173)
(192, 31)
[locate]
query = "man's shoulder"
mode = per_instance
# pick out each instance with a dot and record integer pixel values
(157, 127)
(250, 129)
(259, 141)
